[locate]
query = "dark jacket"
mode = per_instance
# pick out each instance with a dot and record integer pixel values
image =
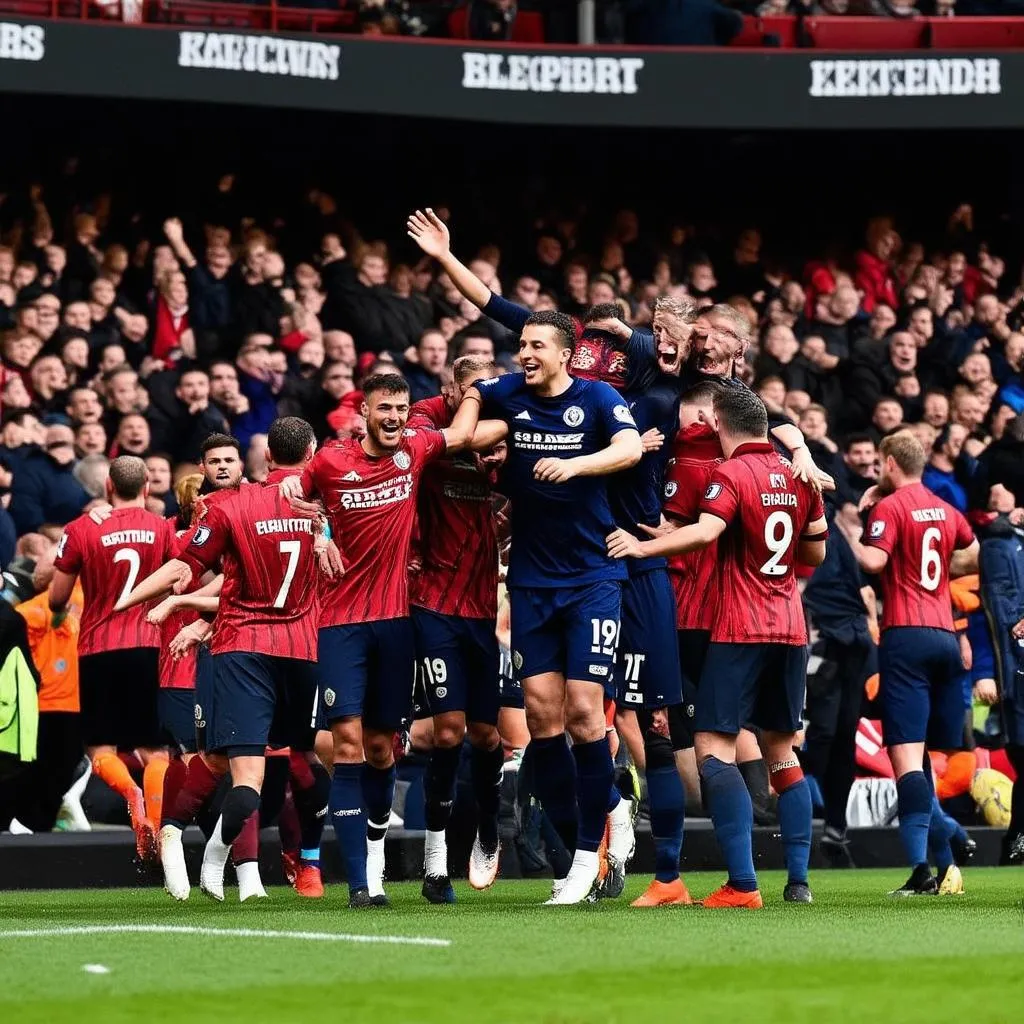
(44, 492)
(1001, 567)
(173, 429)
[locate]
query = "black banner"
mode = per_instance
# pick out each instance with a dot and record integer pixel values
(540, 85)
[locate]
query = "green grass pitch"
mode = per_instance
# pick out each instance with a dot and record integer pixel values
(854, 955)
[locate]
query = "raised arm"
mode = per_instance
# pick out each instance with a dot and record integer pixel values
(176, 236)
(430, 233)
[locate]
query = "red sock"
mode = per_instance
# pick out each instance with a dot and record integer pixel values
(173, 781)
(288, 826)
(300, 771)
(247, 845)
(200, 784)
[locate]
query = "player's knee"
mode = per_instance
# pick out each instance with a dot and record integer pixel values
(449, 730)
(348, 741)
(379, 750)
(483, 736)
(716, 745)
(583, 723)
(544, 720)
(323, 747)
(217, 763)
(658, 751)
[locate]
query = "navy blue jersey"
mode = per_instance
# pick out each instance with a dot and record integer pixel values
(559, 530)
(636, 494)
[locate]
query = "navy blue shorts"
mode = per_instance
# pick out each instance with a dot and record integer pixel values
(177, 709)
(647, 665)
(570, 630)
(458, 663)
(367, 671)
(260, 699)
(509, 688)
(203, 694)
(761, 684)
(920, 674)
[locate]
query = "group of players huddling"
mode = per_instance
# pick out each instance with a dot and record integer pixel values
(656, 529)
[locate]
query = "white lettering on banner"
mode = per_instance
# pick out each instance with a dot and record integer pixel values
(521, 72)
(263, 55)
(930, 76)
(111, 540)
(22, 42)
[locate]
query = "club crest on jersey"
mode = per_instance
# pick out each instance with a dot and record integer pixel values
(670, 488)
(329, 697)
(573, 416)
(402, 460)
(623, 415)
(878, 528)
(202, 535)
(713, 491)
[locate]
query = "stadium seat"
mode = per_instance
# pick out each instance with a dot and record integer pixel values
(527, 28)
(866, 34)
(977, 33)
(782, 26)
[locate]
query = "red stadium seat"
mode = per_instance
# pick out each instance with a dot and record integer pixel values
(783, 26)
(977, 33)
(866, 33)
(527, 28)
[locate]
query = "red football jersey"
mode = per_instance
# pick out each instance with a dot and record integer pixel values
(268, 604)
(111, 558)
(178, 673)
(919, 532)
(694, 575)
(457, 545)
(371, 504)
(767, 512)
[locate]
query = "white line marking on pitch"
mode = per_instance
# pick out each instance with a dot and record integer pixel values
(95, 969)
(238, 933)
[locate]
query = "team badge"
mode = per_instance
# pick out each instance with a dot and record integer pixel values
(441, 692)
(878, 528)
(670, 488)
(713, 491)
(517, 660)
(202, 535)
(623, 415)
(573, 416)
(329, 697)
(402, 460)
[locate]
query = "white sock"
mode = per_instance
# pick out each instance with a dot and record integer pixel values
(249, 881)
(375, 866)
(216, 851)
(584, 861)
(435, 855)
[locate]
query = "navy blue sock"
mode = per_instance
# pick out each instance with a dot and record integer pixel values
(439, 785)
(485, 771)
(939, 834)
(795, 821)
(914, 800)
(595, 778)
(668, 806)
(378, 795)
(554, 785)
(349, 818)
(733, 816)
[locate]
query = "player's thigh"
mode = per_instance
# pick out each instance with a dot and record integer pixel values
(647, 672)
(538, 642)
(344, 655)
(297, 685)
(904, 688)
(392, 672)
(779, 702)
(244, 703)
(177, 708)
(590, 617)
(728, 687)
(442, 653)
(483, 669)
(946, 706)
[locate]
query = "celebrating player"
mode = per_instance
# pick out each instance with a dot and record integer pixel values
(118, 651)
(915, 541)
(564, 436)
(366, 647)
(764, 520)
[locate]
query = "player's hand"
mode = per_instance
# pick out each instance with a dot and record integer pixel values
(57, 618)
(429, 232)
(554, 471)
(622, 544)
(1018, 630)
(159, 614)
(985, 692)
(652, 440)
(290, 488)
(191, 636)
(101, 513)
(329, 558)
(659, 722)
(804, 469)
(306, 509)
(966, 654)
(612, 325)
(870, 498)
(184, 580)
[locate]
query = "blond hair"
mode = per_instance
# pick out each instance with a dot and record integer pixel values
(905, 450)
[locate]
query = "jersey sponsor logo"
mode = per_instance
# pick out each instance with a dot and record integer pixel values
(538, 442)
(623, 415)
(524, 415)
(329, 696)
(530, 72)
(713, 491)
(878, 528)
(928, 515)
(402, 460)
(670, 488)
(111, 540)
(202, 535)
(352, 477)
(296, 525)
(573, 416)
(261, 55)
(396, 489)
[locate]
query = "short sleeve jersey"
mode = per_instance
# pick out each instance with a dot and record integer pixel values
(559, 530)
(919, 532)
(110, 558)
(767, 512)
(371, 505)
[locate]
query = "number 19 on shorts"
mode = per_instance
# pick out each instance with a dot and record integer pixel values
(605, 636)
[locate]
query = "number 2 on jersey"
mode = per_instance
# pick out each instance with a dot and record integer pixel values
(777, 542)
(931, 563)
(291, 548)
(130, 556)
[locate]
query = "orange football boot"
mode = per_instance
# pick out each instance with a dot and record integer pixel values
(145, 834)
(308, 882)
(727, 896)
(664, 894)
